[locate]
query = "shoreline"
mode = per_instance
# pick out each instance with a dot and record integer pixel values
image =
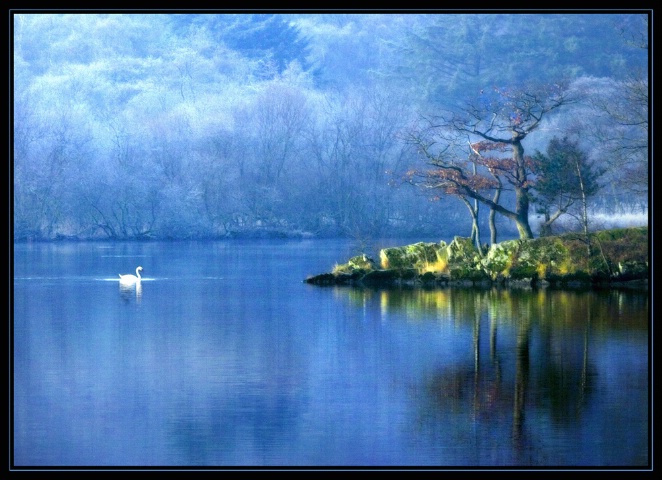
(616, 258)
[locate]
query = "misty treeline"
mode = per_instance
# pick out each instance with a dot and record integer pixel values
(212, 125)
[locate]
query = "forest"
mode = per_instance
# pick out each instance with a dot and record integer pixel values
(241, 125)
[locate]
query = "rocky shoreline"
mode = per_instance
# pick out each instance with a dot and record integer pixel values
(618, 258)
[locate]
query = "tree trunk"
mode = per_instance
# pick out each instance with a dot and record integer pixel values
(546, 226)
(493, 229)
(521, 193)
(522, 213)
(492, 217)
(584, 212)
(475, 229)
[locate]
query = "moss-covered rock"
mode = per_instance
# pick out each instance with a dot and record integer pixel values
(389, 277)
(528, 259)
(362, 262)
(420, 256)
(462, 250)
(500, 258)
(359, 263)
(469, 272)
(618, 255)
(579, 277)
(428, 278)
(632, 269)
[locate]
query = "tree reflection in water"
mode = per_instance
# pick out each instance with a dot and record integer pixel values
(540, 365)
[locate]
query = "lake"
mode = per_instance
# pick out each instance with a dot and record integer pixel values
(223, 357)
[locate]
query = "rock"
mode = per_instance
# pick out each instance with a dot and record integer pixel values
(499, 259)
(632, 269)
(422, 256)
(522, 282)
(322, 279)
(461, 249)
(428, 278)
(362, 262)
(556, 261)
(380, 277)
(467, 272)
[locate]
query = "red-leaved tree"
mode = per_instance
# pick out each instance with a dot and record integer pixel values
(476, 150)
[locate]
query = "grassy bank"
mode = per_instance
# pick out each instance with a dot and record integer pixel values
(614, 256)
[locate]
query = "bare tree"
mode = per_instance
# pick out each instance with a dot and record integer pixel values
(496, 122)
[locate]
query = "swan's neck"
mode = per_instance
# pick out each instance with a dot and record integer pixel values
(138, 273)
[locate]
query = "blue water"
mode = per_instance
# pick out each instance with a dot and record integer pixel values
(224, 357)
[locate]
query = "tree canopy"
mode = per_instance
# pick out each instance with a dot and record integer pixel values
(471, 140)
(206, 125)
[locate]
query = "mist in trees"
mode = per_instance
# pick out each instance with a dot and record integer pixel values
(211, 125)
(567, 180)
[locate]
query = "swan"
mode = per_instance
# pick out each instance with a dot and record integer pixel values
(131, 279)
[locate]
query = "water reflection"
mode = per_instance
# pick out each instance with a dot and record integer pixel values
(129, 292)
(571, 309)
(527, 371)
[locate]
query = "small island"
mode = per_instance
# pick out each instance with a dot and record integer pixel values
(616, 257)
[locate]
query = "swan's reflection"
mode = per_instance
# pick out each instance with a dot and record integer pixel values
(128, 291)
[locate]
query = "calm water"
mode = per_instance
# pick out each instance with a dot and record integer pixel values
(224, 357)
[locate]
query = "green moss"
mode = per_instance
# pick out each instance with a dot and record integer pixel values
(461, 249)
(361, 263)
(539, 258)
(500, 258)
(420, 256)
(622, 245)
(523, 271)
(616, 255)
(467, 272)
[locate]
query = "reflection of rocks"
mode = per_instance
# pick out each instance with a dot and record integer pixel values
(618, 256)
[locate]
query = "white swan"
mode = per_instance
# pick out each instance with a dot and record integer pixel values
(131, 279)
